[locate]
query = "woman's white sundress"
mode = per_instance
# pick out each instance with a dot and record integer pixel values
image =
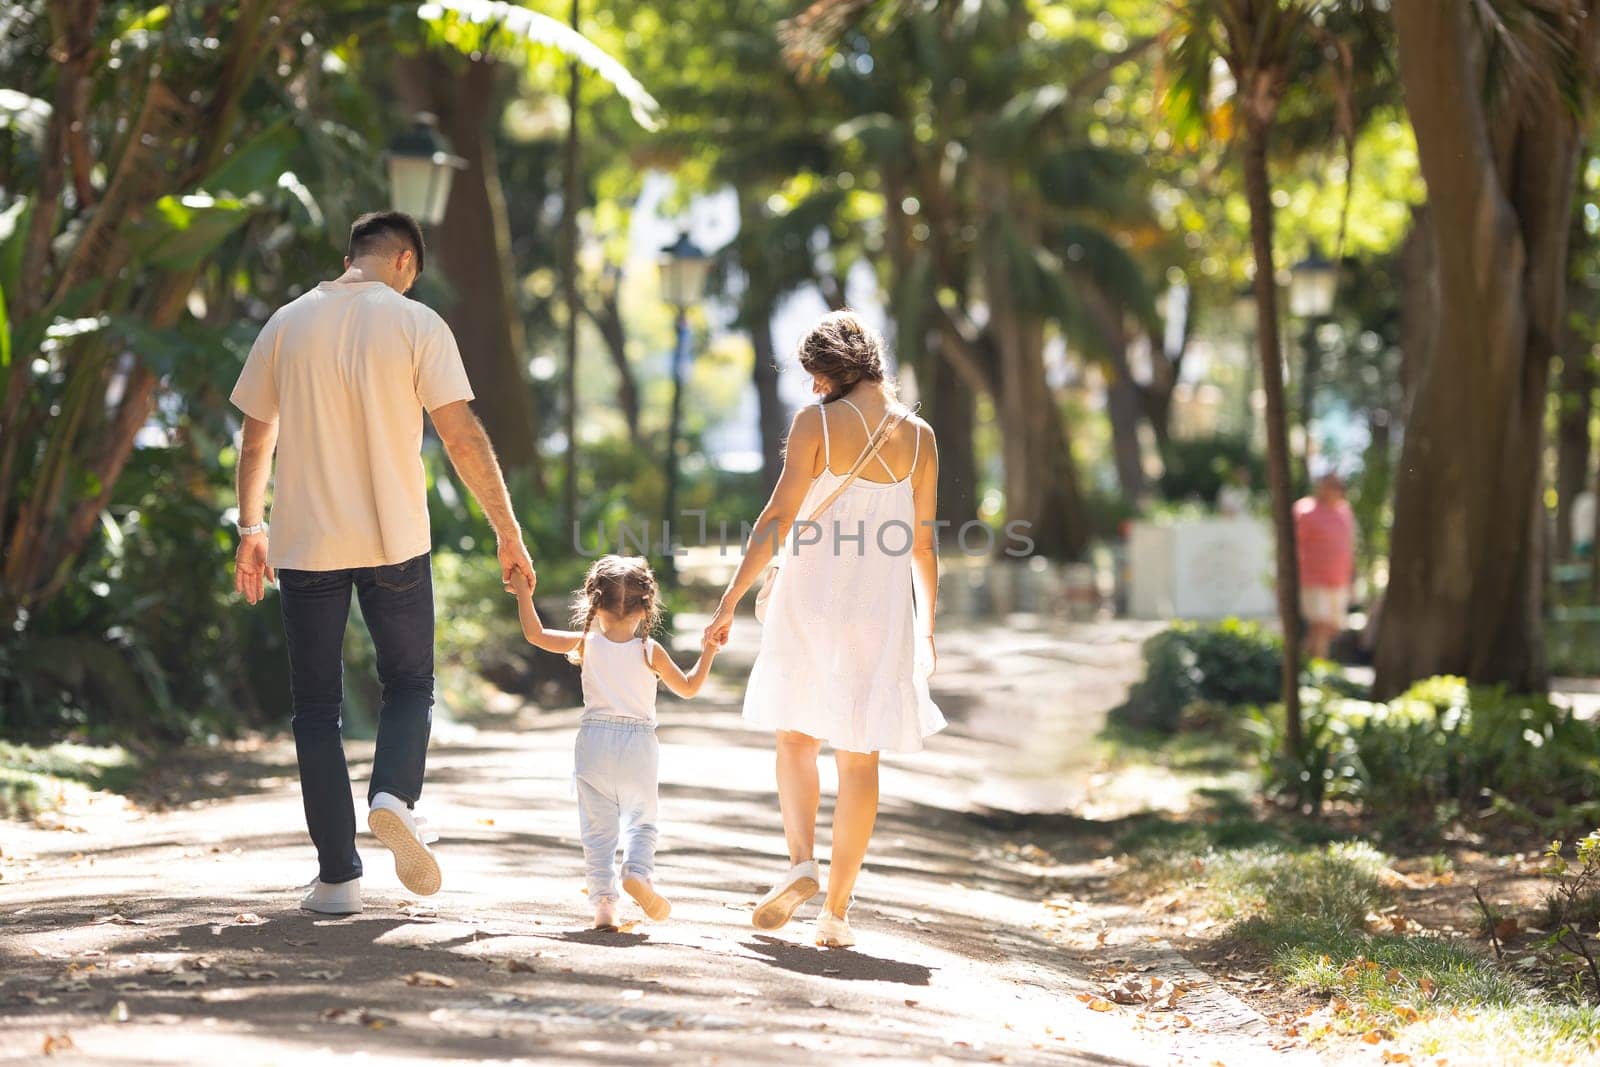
(840, 660)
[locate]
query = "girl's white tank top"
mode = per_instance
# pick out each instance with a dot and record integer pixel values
(617, 679)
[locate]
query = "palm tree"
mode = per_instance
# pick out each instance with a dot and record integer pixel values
(1260, 43)
(155, 161)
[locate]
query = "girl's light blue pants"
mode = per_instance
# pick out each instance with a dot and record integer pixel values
(616, 761)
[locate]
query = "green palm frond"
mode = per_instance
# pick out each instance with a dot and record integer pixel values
(1016, 128)
(465, 24)
(882, 136)
(1530, 46)
(1092, 252)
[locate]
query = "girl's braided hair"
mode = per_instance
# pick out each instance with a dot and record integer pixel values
(622, 585)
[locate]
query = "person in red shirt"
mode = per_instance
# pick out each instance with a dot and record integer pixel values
(1324, 537)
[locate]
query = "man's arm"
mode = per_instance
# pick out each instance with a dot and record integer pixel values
(257, 444)
(470, 452)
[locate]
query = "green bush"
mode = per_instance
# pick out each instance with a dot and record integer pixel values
(1441, 747)
(1227, 663)
(1197, 469)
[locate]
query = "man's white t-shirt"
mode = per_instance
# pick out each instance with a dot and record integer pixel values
(346, 370)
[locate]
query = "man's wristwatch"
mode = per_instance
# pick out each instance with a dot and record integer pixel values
(246, 531)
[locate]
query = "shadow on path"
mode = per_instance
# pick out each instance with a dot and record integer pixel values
(846, 964)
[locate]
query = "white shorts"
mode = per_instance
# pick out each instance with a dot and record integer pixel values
(1325, 605)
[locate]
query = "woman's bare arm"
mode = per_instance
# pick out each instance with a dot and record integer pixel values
(924, 546)
(778, 517)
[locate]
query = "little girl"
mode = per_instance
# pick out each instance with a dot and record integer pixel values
(617, 752)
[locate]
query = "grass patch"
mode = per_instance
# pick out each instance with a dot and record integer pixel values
(35, 779)
(1450, 998)
(1304, 905)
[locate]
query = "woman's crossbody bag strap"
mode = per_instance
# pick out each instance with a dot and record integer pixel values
(769, 576)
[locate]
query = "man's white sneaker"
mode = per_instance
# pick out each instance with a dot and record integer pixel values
(833, 932)
(340, 898)
(784, 899)
(391, 823)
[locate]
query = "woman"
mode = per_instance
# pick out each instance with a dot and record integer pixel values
(845, 656)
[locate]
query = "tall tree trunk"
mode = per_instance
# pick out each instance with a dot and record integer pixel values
(1258, 191)
(1124, 404)
(606, 314)
(1041, 479)
(570, 207)
(756, 308)
(951, 408)
(1465, 591)
(1574, 399)
(1419, 308)
(771, 415)
(473, 247)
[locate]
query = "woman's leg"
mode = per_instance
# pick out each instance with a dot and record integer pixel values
(799, 792)
(854, 814)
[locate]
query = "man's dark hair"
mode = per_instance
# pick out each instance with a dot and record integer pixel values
(376, 229)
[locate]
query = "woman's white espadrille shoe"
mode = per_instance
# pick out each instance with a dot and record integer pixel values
(779, 905)
(391, 823)
(833, 931)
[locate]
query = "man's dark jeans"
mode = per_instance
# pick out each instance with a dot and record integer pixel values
(397, 603)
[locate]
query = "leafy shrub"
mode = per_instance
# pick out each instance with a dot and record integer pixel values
(1441, 746)
(1197, 468)
(1228, 663)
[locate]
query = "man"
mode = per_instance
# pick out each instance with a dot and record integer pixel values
(1324, 537)
(337, 382)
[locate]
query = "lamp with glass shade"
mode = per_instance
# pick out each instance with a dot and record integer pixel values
(421, 168)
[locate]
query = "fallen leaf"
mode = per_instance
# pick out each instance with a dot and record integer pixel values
(1100, 1004)
(357, 1016)
(516, 966)
(1395, 1057)
(1507, 928)
(321, 976)
(249, 918)
(118, 919)
(54, 1043)
(428, 978)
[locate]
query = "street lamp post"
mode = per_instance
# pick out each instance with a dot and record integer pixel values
(683, 278)
(421, 168)
(1313, 284)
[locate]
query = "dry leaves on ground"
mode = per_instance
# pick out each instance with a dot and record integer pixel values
(428, 978)
(54, 1043)
(358, 1017)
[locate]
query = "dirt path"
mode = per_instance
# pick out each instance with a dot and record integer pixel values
(139, 937)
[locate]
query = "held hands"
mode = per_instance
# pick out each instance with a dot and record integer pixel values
(514, 559)
(250, 568)
(718, 629)
(521, 585)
